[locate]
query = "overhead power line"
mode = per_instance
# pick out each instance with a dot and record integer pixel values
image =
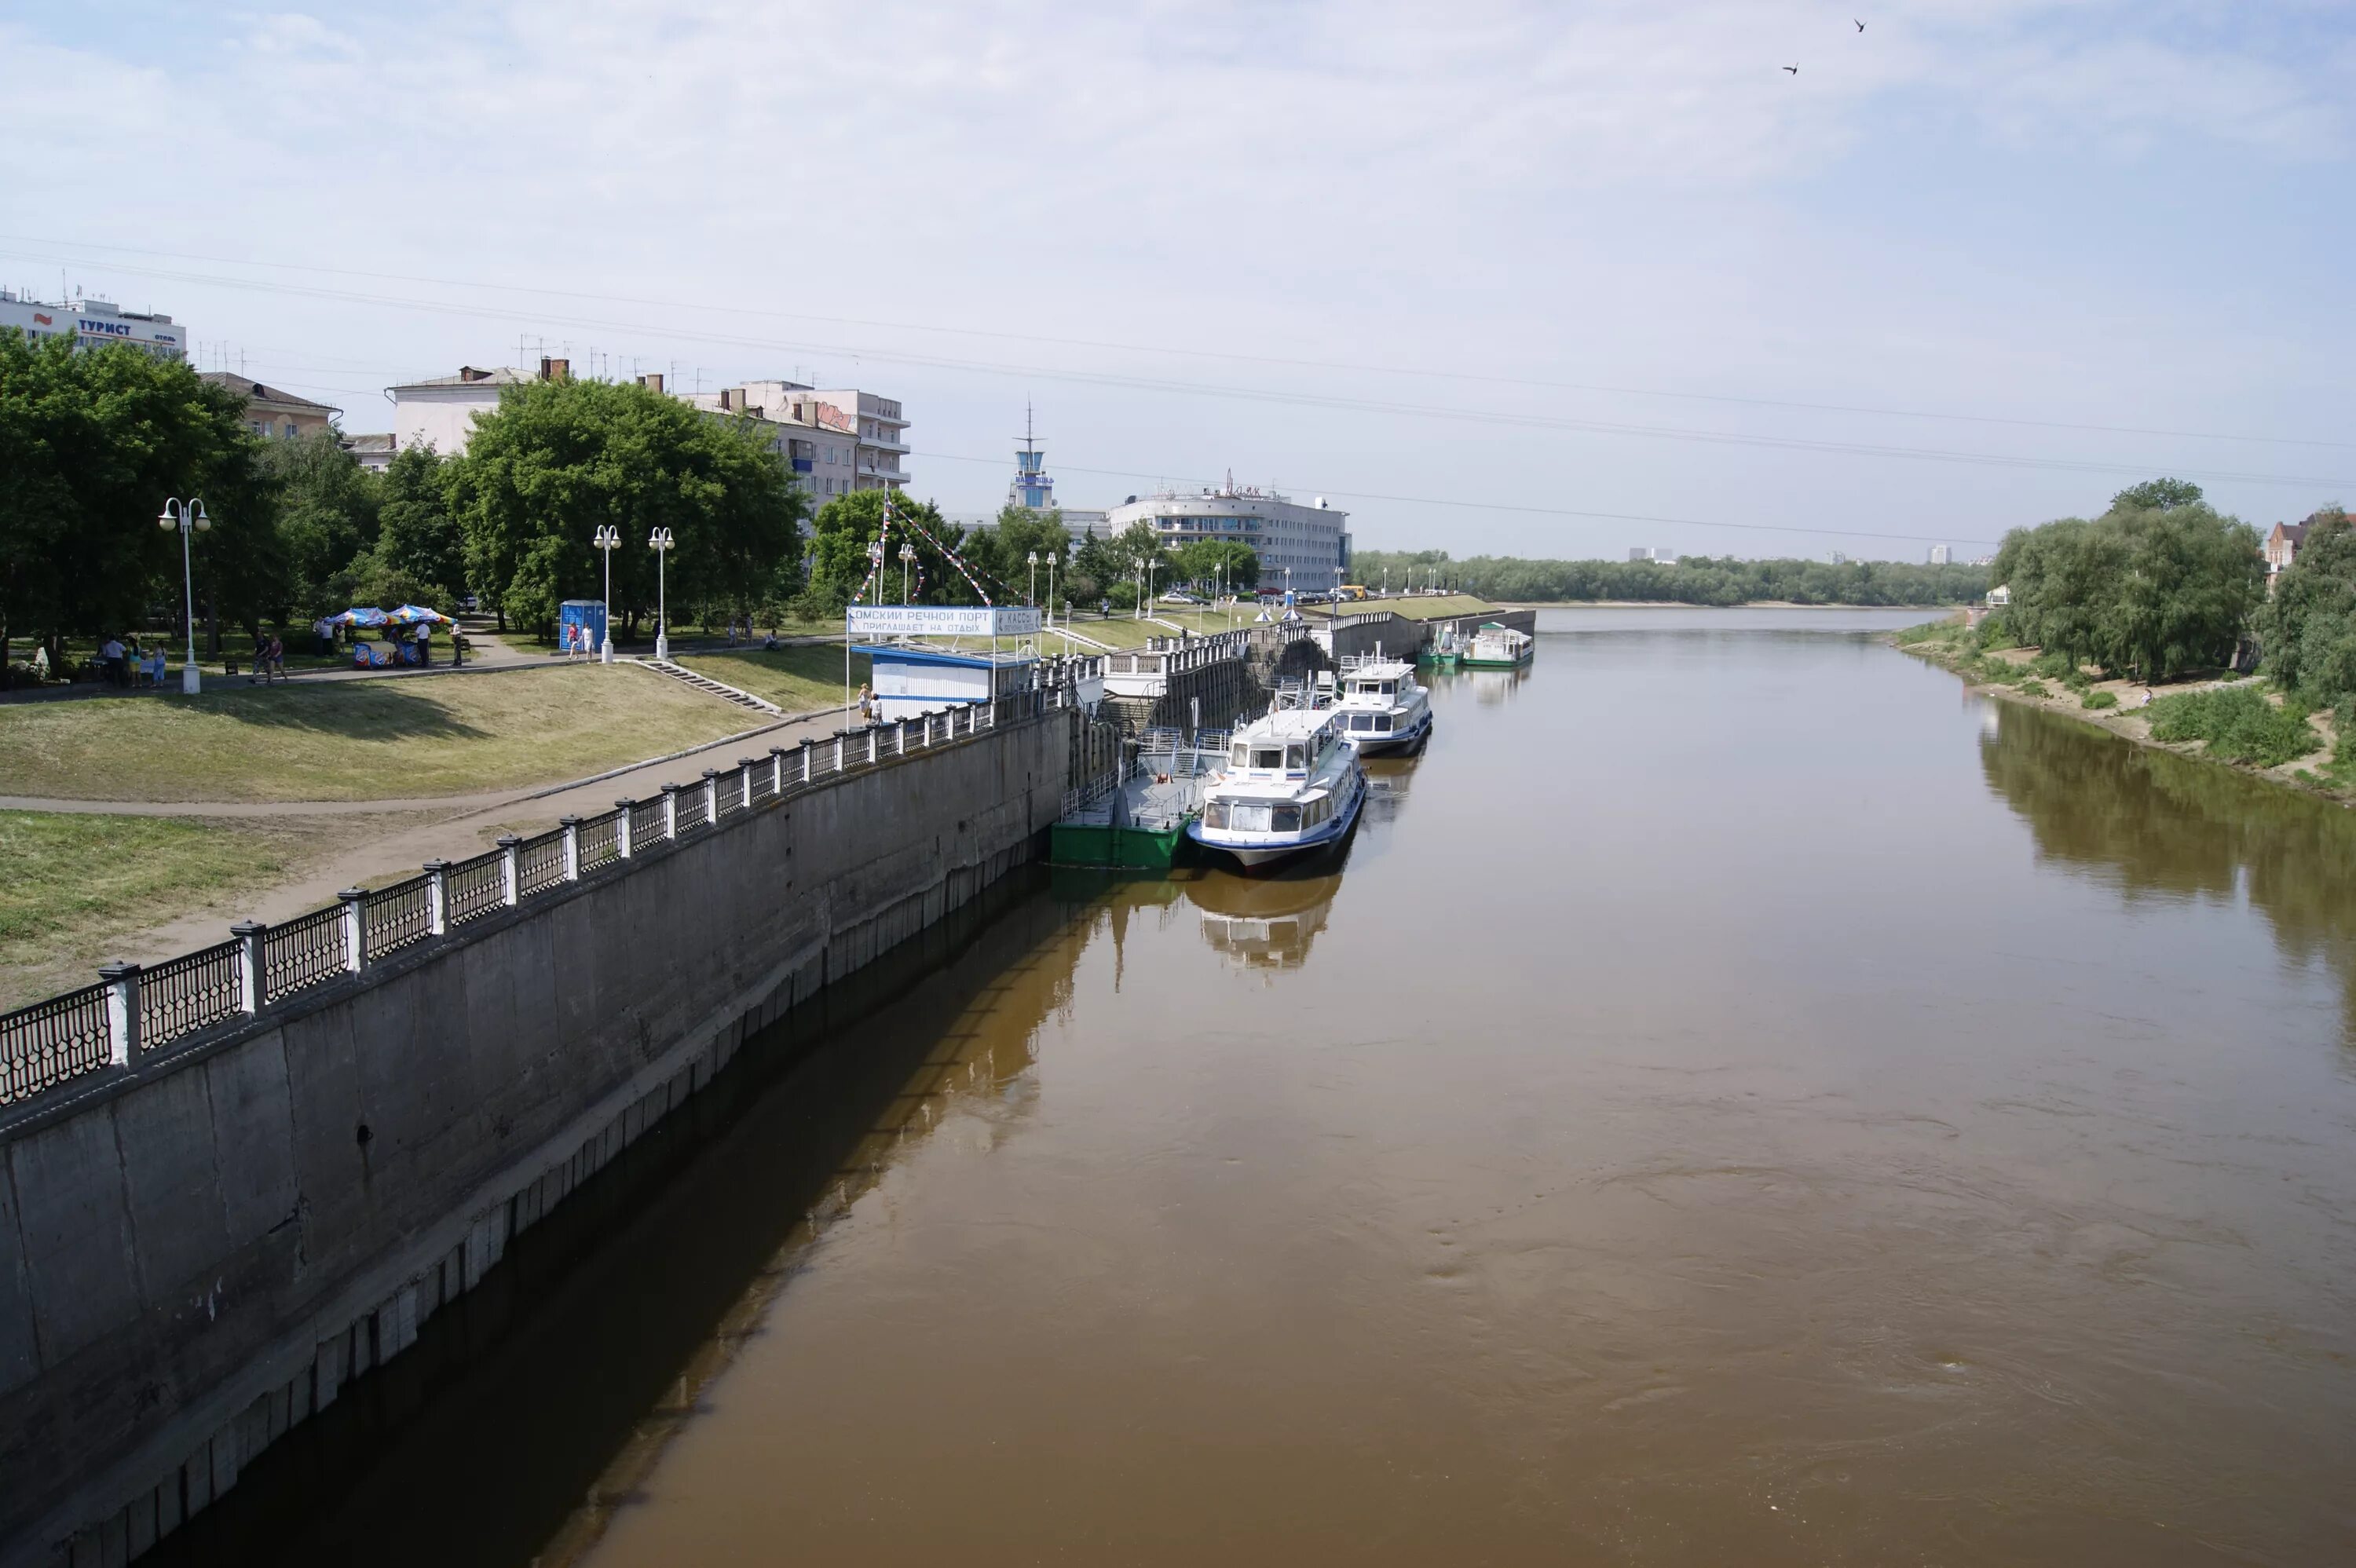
(1350, 367)
(1281, 397)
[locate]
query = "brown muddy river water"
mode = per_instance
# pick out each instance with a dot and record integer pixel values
(1740, 1100)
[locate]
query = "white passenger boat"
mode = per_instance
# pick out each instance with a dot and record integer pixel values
(1382, 708)
(1292, 783)
(1498, 648)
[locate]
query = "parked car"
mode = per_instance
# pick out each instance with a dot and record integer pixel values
(1179, 596)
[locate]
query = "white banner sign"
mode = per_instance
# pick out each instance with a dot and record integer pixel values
(939, 621)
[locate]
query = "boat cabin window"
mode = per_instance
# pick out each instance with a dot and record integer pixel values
(1285, 820)
(1390, 688)
(1242, 757)
(1268, 757)
(1296, 757)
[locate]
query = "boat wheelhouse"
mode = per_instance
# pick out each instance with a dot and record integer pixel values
(1381, 708)
(1498, 648)
(1292, 783)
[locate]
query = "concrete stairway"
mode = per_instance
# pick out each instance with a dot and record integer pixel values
(705, 683)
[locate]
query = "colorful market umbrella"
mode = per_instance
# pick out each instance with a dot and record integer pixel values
(414, 615)
(360, 616)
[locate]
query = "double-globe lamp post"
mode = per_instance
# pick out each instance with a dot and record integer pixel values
(188, 517)
(609, 539)
(908, 555)
(660, 542)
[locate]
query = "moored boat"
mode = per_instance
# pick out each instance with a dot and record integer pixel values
(1292, 783)
(1381, 707)
(1498, 648)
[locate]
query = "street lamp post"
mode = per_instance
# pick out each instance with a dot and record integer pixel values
(907, 554)
(188, 517)
(609, 538)
(1050, 588)
(1031, 595)
(661, 543)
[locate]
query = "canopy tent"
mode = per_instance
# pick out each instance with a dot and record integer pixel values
(359, 615)
(417, 614)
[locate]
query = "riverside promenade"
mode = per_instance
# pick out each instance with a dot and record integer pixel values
(323, 1129)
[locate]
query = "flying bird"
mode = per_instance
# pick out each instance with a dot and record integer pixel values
(1792, 69)
(1860, 26)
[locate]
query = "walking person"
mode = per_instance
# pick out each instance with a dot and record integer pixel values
(155, 666)
(277, 660)
(109, 658)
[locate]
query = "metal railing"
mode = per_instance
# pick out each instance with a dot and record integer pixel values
(303, 952)
(191, 992)
(52, 1041)
(133, 1012)
(478, 887)
(400, 915)
(601, 841)
(539, 863)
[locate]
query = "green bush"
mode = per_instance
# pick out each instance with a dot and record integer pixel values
(2034, 687)
(2101, 699)
(2236, 723)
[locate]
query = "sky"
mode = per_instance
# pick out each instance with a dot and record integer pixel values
(1538, 279)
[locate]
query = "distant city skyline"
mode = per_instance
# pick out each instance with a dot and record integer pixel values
(1513, 282)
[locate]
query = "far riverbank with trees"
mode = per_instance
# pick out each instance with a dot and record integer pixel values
(2155, 621)
(1715, 580)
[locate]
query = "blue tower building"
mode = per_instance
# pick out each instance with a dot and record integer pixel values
(1031, 487)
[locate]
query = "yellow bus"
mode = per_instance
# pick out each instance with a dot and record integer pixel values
(1352, 590)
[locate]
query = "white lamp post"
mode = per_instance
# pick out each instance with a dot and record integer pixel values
(660, 542)
(609, 538)
(1050, 588)
(188, 517)
(907, 554)
(1031, 595)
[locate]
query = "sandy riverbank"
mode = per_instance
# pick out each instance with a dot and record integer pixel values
(2130, 722)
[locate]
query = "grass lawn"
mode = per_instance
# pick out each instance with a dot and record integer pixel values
(1443, 608)
(374, 739)
(77, 881)
(798, 679)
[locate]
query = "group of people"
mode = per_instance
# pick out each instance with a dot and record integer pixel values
(120, 663)
(269, 659)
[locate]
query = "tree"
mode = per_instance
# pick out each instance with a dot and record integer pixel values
(91, 443)
(2157, 585)
(2307, 629)
(2156, 495)
(1207, 563)
(327, 516)
(1005, 548)
(557, 460)
(418, 536)
(847, 528)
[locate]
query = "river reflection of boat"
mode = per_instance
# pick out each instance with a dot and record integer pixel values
(1263, 922)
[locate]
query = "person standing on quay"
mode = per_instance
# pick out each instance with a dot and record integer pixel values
(109, 658)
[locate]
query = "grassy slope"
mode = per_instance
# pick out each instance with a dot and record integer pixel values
(798, 679)
(356, 740)
(75, 882)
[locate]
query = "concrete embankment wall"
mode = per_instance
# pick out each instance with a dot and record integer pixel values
(198, 1254)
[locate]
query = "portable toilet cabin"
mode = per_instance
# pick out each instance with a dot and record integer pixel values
(585, 613)
(911, 681)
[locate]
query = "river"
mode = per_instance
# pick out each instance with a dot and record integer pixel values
(1740, 1098)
